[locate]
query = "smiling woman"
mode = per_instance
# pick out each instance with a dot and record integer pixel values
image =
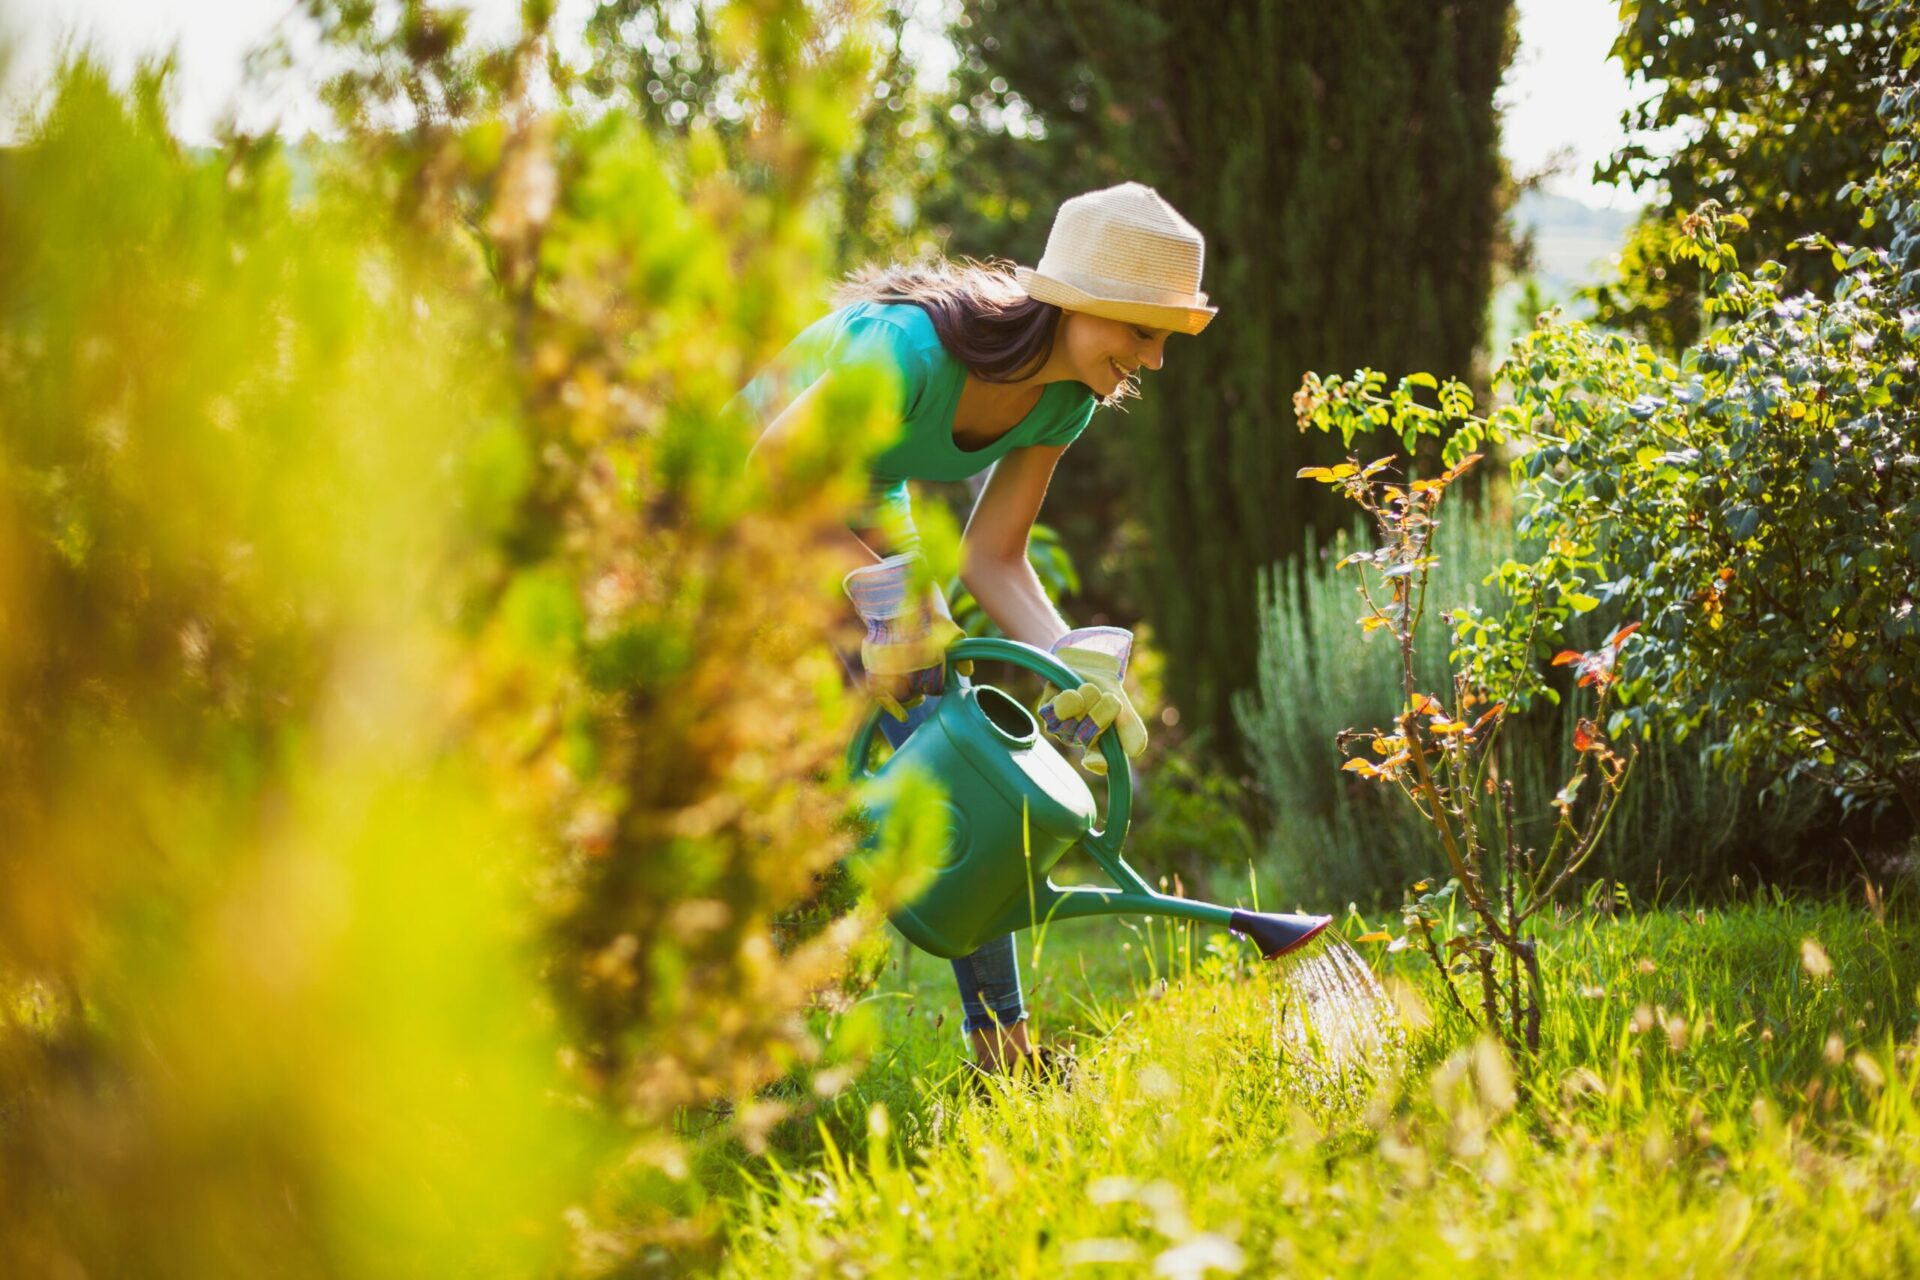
(994, 366)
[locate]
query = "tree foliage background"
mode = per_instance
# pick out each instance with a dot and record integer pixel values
(1768, 110)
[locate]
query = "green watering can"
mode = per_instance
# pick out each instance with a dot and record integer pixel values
(1014, 806)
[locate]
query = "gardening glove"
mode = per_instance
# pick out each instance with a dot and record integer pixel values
(1078, 716)
(908, 630)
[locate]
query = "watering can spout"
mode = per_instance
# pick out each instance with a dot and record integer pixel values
(1276, 935)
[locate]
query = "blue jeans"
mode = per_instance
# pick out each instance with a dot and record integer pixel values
(989, 978)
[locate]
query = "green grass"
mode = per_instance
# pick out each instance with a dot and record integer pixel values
(1706, 1103)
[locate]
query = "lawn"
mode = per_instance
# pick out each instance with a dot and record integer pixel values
(1723, 1090)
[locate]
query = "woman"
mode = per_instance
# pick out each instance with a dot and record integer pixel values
(996, 369)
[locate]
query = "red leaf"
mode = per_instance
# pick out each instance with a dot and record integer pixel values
(1565, 656)
(1490, 713)
(1589, 678)
(1581, 738)
(1623, 633)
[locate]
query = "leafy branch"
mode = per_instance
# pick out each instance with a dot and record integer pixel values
(1441, 757)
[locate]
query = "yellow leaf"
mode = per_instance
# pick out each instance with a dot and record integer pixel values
(1313, 473)
(1372, 624)
(1443, 725)
(1378, 935)
(1362, 767)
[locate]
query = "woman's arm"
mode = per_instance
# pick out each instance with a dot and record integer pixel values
(994, 565)
(769, 456)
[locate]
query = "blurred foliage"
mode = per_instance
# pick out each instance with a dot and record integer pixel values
(264, 966)
(1193, 820)
(1770, 109)
(1300, 140)
(1329, 839)
(676, 67)
(413, 716)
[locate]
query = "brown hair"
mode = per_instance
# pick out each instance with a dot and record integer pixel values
(979, 310)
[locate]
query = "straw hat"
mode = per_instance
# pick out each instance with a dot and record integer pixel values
(1123, 253)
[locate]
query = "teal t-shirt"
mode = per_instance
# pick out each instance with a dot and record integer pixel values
(930, 381)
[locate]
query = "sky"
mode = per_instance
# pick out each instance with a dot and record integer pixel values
(1562, 96)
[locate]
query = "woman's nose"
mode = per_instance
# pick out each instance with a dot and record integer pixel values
(1153, 355)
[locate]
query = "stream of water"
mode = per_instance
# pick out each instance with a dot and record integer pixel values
(1332, 1022)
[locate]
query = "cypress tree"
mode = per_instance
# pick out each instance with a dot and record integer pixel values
(1343, 162)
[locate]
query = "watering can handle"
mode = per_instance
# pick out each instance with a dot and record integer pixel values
(1103, 844)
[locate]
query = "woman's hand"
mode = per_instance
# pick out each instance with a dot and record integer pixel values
(1079, 715)
(908, 632)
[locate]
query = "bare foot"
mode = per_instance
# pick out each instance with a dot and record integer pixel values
(1000, 1048)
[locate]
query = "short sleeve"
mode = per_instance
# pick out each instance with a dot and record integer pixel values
(844, 340)
(1065, 429)
(868, 340)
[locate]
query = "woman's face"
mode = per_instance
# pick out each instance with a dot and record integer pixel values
(1104, 353)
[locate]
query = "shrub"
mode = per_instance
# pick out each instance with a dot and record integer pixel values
(266, 924)
(412, 712)
(1443, 752)
(1758, 501)
(1329, 841)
